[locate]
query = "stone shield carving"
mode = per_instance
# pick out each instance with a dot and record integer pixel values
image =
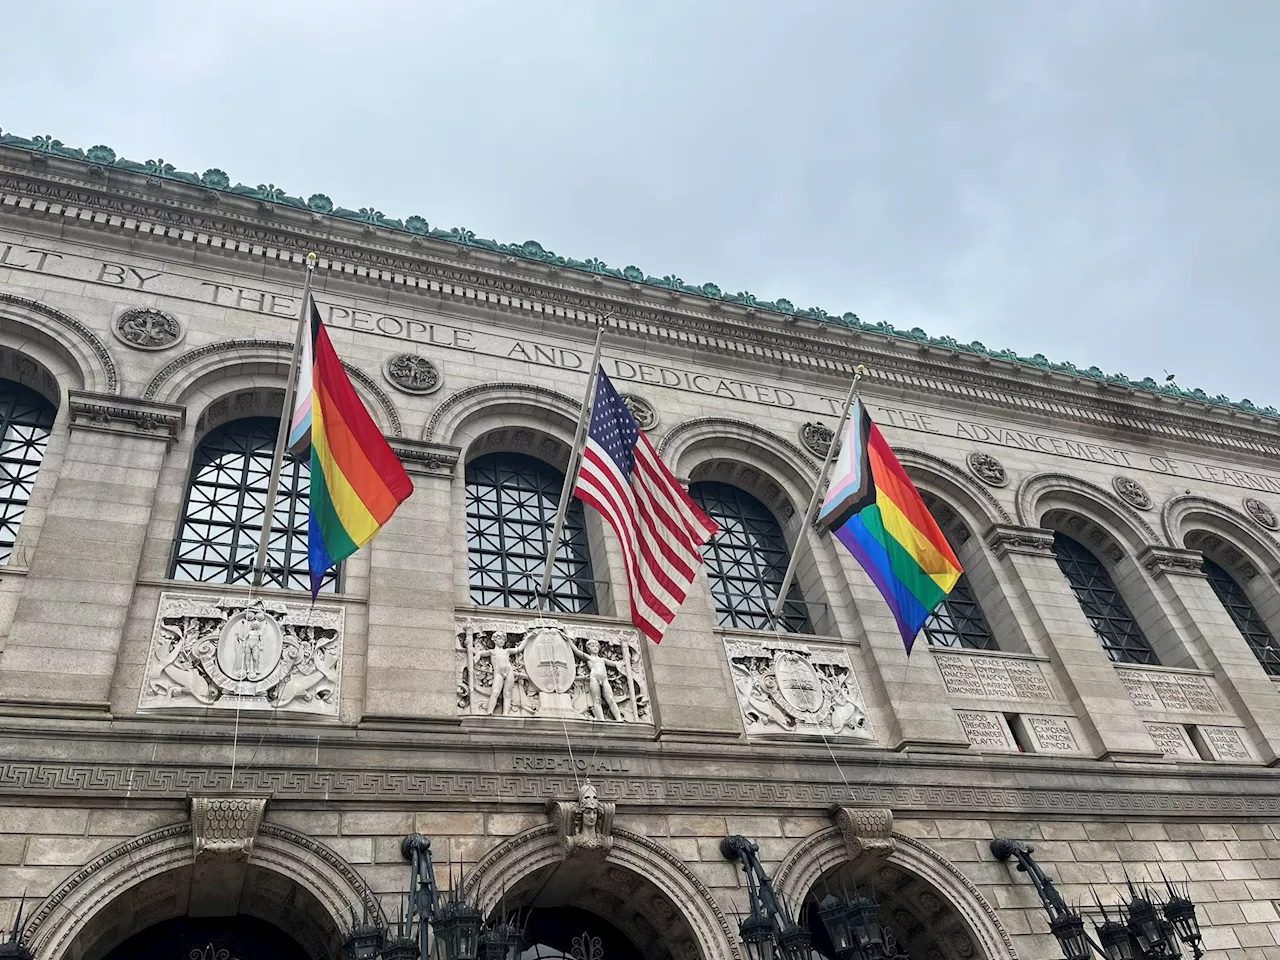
(816, 437)
(229, 653)
(987, 469)
(1131, 492)
(1261, 514)
(546, 668)
(788, 687)
(646, 416)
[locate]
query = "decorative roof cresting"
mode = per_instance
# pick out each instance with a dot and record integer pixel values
(217, 181)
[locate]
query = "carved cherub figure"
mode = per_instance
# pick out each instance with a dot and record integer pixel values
(598, 687)
(504, 672)
(845, 714)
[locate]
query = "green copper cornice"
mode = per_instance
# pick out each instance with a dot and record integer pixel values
(217, 181)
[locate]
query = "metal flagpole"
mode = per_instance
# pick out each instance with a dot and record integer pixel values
(571, 474)
(286, 419)
(818, 490)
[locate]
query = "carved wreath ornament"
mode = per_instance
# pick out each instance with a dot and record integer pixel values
(1131, 492)
(412, 373)
(642, 410)
(816, 438)
(1262, 515)
(987, 469)
(148, 329)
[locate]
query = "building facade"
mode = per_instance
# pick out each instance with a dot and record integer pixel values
(182, 752)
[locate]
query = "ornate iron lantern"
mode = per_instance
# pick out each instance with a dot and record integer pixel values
(1147, 930)
(502, 941)
(364, 940)
(769, 932)
(457, 927)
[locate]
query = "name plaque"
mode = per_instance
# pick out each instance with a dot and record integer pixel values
(987, 730)
(1169, 692)
(994, 678)
(1226, 744)
(1172, 740)
(1050, 734)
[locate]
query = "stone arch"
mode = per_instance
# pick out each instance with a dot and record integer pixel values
(974, 503)
(201, 369)
(1181, 514)
(680, 439)
(460, 408)
(503, 867)
(314, 867)
(78, 350)
(826, 850)
(1037, 494)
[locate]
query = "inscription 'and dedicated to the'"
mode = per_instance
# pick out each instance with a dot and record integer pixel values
(19, 257)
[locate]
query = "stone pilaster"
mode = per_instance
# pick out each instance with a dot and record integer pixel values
(1089, 680)
(71, 614)
(410, 659)
(1218, 643)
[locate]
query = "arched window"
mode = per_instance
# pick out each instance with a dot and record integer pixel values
(511, 510)
(958, 621)
(1245, 616)
(26, 420)
(747, 560)
(222, 516)
(1101, 602)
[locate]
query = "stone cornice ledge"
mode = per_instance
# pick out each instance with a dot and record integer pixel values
(426, 458)
(1006, 538)
(1159, 561)
(109, 413)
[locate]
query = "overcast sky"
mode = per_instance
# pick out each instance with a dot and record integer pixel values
(1097, 182)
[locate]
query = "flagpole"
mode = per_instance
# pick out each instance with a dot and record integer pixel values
(571, 474)
(282, 435)
(818, 490)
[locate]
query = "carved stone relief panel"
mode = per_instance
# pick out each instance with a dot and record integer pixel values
(548, 669)
(994, 678)
(790, 687)
(644, 412)
(228, 653)
(148, 329)
(412, 373)
(1169, 692)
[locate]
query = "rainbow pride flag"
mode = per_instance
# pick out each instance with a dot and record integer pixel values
(357, 481)
(874, 509)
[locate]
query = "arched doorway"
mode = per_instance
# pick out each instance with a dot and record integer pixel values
(569, 933)
(192, 938)
(934, 911)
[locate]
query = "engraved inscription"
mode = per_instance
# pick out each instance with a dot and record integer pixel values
(1051, 735)
(1169, 692)
(565, 765)
(993, 678)
(1226, 744)
(986, 730)
(1172, 740)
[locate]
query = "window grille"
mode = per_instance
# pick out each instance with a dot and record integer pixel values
(958, 621)
(1245, 616)
(1101, 602)
(26, 421)
(223, 513)
(511, 510)
(747, 560)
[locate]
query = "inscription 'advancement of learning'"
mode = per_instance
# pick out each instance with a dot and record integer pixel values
(993, 678)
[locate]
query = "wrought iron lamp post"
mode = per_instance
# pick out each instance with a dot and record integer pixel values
(1144, 931)
(769, 932)
(15, 948)
(443, 929)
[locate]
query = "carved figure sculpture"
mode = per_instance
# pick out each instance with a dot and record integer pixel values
(598, 687)
(504, 673)
(788, 687)
(585, 827)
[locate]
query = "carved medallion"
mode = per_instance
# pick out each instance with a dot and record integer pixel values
(147, 328)
(1262, 515)
(548, 661)
(1131, 492)
(816, 437)
(798, 682)
(642, 410)
(250, 646)
(412, 373)
(987, 468)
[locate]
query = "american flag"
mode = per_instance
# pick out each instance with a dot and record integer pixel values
(661, 529)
